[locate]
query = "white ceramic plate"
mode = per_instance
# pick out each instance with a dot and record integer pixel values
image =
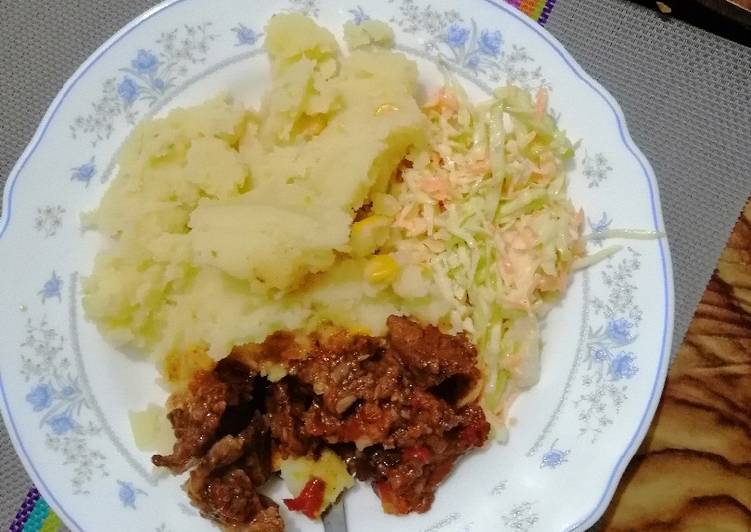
(66, 393)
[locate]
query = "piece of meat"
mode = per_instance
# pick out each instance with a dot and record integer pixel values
(426, 415)
(286, 405)
(375, 462)
(267, 520)
(205, 486)
(368, 424)
(431, 356)
(229, 497)
(396, 409)
(410, 484)
(224, 484)
(246, 392)
(238, 378)
(195, 422)
(344, 369)
(280, 347)
(216, 403)
(257, 448)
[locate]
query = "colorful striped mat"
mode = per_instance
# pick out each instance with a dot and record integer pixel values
(35, 515)
(538, 10)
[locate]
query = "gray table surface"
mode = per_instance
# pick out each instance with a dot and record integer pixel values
(685, 93)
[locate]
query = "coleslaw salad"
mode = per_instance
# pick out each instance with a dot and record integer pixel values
(483, 216)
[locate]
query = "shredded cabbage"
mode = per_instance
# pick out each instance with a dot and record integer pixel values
(484, 213)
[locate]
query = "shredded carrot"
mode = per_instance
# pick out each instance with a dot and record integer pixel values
(436, 187)
(541, 103)
(448, 100)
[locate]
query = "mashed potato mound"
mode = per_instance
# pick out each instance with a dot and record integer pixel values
(223, 219)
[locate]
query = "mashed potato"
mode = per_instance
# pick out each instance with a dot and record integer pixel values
(223, 218)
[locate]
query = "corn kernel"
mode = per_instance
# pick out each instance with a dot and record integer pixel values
(385, 108)
(368, 234)
(381, 269)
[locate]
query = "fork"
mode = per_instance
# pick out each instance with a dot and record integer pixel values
(335, 520)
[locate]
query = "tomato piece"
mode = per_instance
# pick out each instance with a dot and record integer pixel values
(390, 501)
(475, 434)
(418, 453)
(310, 500)
(441, 471)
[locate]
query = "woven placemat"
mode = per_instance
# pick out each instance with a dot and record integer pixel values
(684, 93)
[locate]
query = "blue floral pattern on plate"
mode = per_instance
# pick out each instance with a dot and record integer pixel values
(554, 457)
(599, 228)
(51, 288)
(358, 15)
(151, 73)
(56, 395)
(127, 493)
(473, 51)
(49, 219)
(596, 169)
(521, 517)
(84, 173)
(310, 8)
(461, 42)
(245, 35)
(609, 366)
